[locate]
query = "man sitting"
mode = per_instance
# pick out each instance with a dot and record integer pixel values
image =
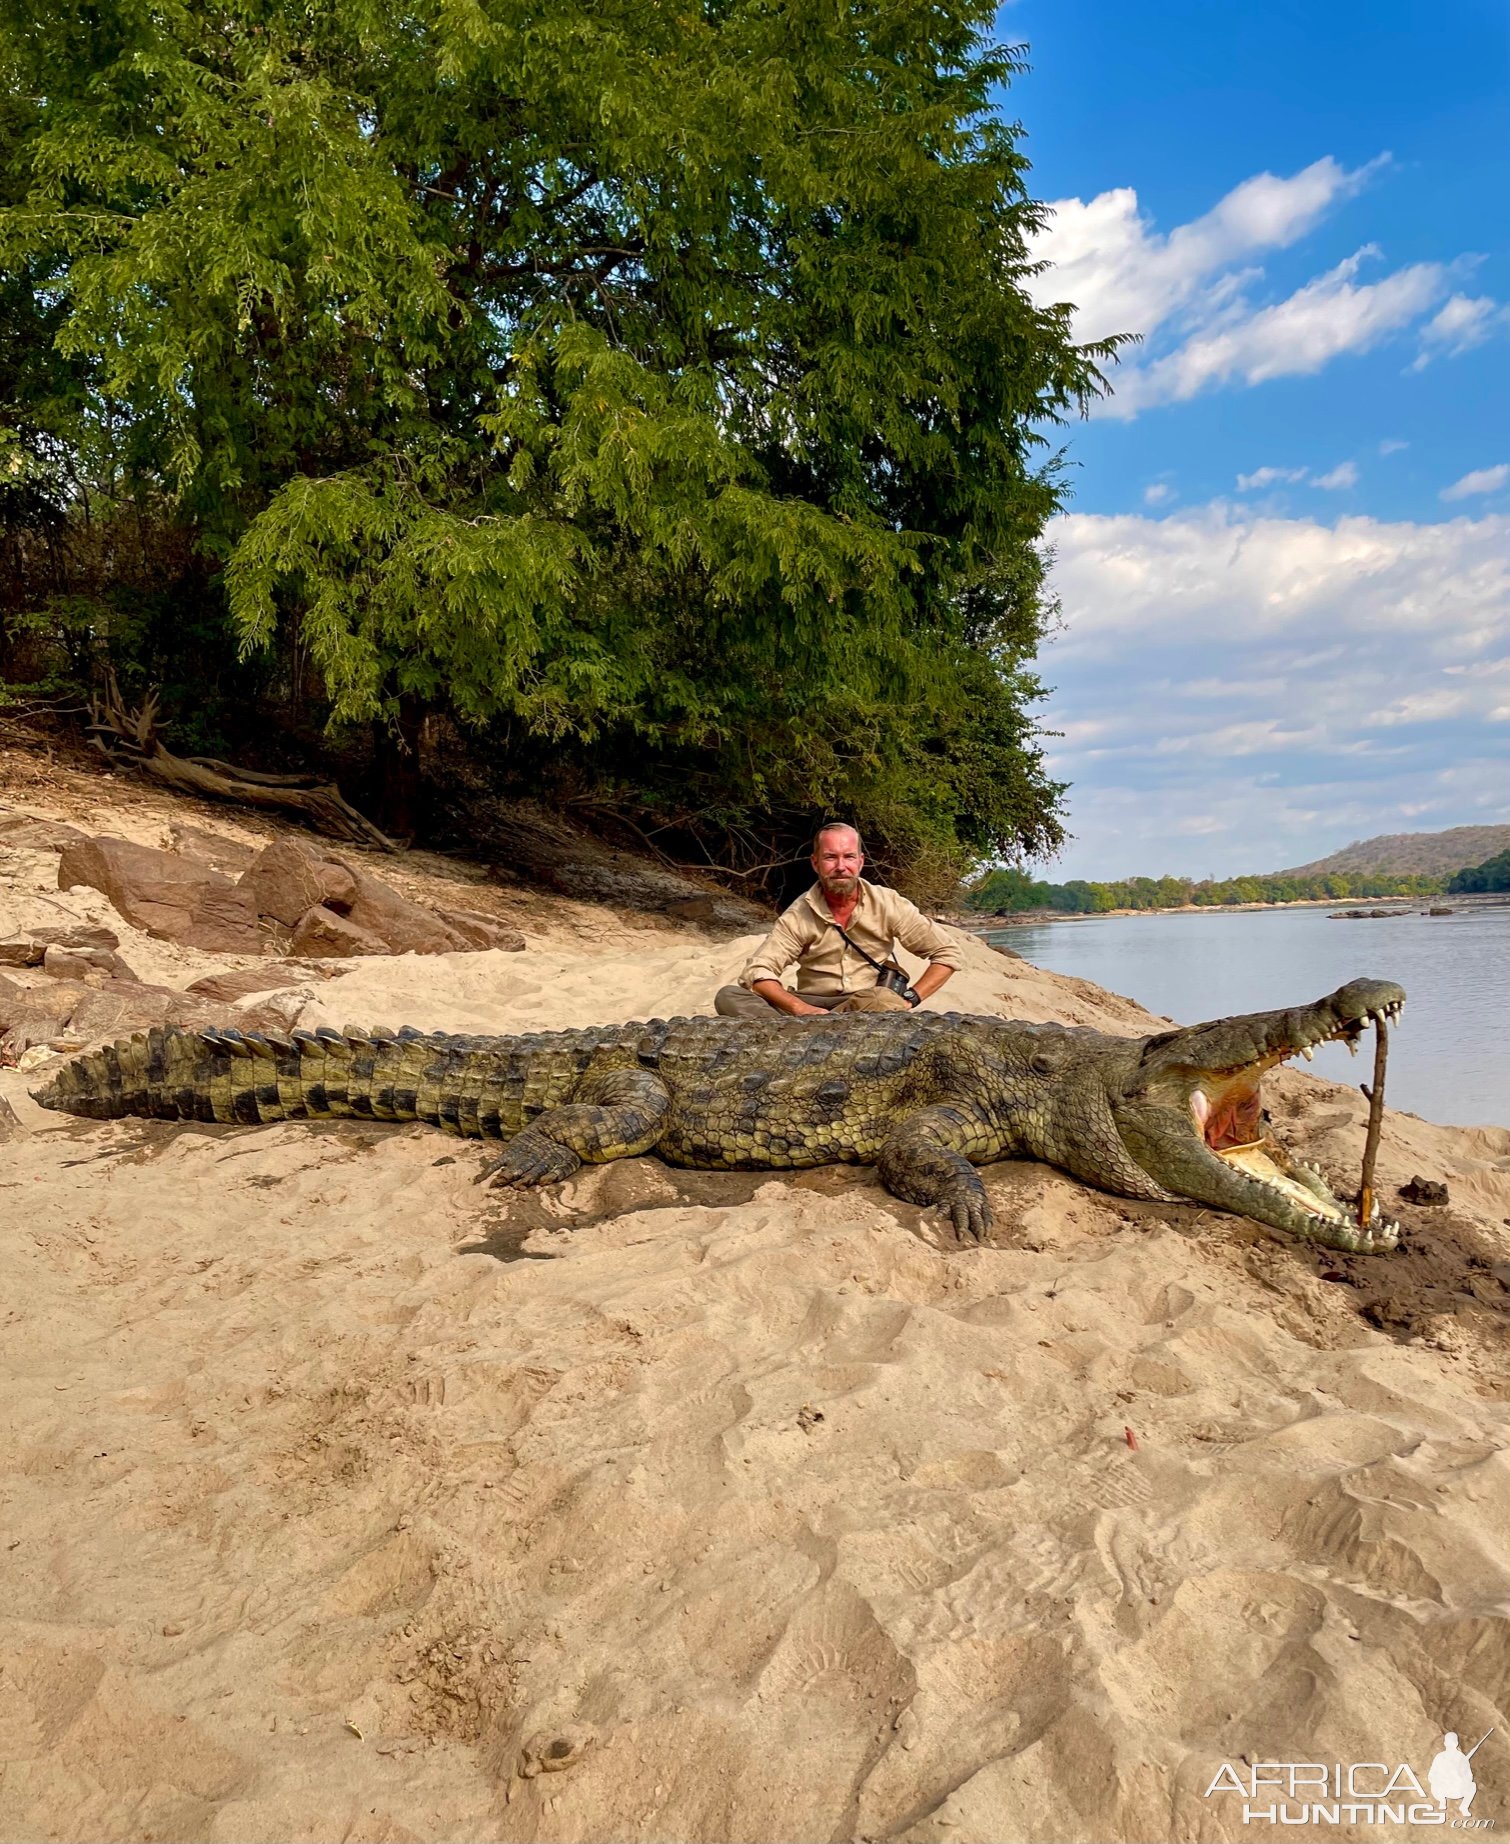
(813, 931)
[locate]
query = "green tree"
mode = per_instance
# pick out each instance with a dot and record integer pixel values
(658, 379)
(1492, 874)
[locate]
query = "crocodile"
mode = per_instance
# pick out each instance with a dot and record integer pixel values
(925, 1097)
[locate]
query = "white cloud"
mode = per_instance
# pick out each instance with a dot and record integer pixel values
(1125, 277)
(1391, 445)
(1301, 683)
(1345, 474)
(1463, 322)
(1294, 338)
(1481, 480)
(1424, 707)
(1191, 294)
(1268, 477)
(1199, 573)
(1158, 493)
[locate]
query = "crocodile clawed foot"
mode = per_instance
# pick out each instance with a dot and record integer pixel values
(967, 1211)
(528, 1160)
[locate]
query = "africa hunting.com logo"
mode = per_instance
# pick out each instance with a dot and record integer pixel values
(1358, 1792)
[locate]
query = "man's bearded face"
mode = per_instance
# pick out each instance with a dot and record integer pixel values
(838, 862)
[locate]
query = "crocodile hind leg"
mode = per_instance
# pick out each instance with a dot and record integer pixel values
(614, 1114)
(927, 1156)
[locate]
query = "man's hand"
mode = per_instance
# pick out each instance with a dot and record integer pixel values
(784, 1000)
(931, 978)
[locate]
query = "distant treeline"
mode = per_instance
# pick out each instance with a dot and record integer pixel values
(1001, 891)
(1492, 874)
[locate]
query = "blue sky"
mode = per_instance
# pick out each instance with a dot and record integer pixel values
(1286, 568)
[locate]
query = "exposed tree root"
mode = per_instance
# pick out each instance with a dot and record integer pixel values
(130, 737)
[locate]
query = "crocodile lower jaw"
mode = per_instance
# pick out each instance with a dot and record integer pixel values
(1255, 1162)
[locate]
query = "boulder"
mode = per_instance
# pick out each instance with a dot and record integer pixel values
(221, 854)
(29, 949)
(92, 965)
(324, 935)
(70, 1014)
(1424, 1191)
(482, 932)
(287, 878)
(34, 834)
(271, 976)
(712, 911)
(225, 923)
(165, 895)
(405, 927)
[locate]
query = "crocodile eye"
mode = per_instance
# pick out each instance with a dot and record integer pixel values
(1041, 1063)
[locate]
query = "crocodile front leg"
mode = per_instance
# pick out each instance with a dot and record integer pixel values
(927, 1160)
(614, 1114)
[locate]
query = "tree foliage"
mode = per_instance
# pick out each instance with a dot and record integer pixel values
(656, 383)
(1492, 874)
(1002, 891)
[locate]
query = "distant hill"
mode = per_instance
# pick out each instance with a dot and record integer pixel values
(1425, 853)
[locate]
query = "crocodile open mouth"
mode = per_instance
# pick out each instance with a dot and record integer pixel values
(1226, 1108)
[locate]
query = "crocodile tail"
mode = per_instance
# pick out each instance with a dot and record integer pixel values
(244, 1077)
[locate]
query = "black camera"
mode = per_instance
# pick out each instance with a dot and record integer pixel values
(893, 979)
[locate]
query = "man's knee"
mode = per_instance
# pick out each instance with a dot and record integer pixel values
(740, 1002)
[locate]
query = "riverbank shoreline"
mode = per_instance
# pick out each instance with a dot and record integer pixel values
(1395, 905)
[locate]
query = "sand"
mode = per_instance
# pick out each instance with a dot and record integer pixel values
(344, 1495)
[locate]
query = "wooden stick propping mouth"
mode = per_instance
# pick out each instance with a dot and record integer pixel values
(1375, 1093)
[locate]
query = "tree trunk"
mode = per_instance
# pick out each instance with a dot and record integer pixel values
(398, 796)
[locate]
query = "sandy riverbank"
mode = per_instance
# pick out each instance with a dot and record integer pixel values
(342, 1492)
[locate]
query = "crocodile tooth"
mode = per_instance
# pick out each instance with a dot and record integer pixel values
(1306, 1052)
(1352, 1046)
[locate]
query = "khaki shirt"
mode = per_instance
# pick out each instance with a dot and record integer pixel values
(805, 933)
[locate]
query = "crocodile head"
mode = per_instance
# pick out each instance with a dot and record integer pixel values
(1186, 1115)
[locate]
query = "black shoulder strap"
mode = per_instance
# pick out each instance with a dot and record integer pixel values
(878, 965)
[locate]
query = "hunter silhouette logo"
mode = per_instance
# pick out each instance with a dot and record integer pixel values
(1450, 1776)
(1358, 1792)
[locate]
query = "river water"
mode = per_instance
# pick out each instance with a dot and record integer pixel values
(1449, 1058)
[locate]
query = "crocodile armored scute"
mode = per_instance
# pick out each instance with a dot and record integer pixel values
(925, 1097)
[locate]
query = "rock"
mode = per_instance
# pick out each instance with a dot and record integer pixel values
(554, 1750)
(727, 912)
(406, 928)
(324, 935)
(72, 1015)
(225, 923)
(92, 965)
(1439, 912)
(303, 890)
(274, 977)
(1424, 1191)
(287, 879)
(165, 895)
(279, 1011)
(482, 932)
(227, 855)
(32, 833)
(28, 950)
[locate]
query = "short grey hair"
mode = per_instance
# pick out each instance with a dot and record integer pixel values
(837, 826)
